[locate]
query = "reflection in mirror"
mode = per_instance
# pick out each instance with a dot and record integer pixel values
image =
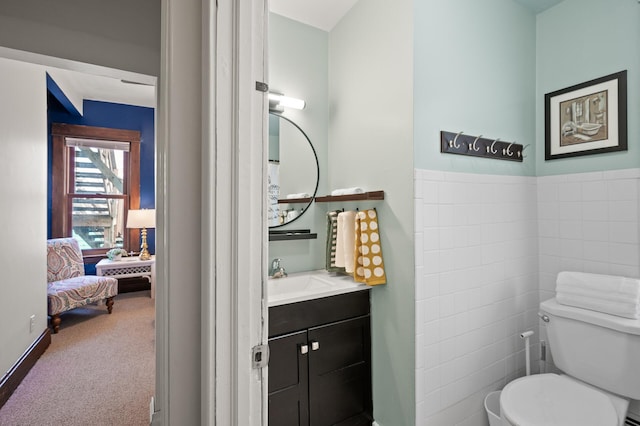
(293, 171)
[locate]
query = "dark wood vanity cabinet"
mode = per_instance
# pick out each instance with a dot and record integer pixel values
(288, 380)
(320, 362)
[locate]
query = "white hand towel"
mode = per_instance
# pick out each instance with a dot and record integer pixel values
(298, 195)
(603, 293)
(347, 191)
(346, 241)
(626, 310)
(596, 294)
(597, 282)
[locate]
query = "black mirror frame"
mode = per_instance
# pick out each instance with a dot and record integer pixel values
(315, 156)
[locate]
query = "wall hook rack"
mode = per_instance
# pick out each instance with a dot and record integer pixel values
(477, 146)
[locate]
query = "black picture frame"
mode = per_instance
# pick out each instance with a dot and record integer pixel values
(588, 118)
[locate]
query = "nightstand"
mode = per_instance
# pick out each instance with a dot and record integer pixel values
(128, 267)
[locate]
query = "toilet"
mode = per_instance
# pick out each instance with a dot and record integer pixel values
(598, 354)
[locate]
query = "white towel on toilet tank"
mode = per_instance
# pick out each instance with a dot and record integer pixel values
(609, 294)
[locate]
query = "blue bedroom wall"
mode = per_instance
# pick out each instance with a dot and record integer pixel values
(106, 114)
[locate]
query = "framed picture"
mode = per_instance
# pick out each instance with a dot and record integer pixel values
(588, 118)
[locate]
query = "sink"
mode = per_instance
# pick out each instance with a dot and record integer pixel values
(297, 283)
(309, 285)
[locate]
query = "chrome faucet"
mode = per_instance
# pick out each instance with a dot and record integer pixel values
(277, 270)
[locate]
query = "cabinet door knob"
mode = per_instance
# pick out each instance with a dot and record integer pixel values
(315, 345)
(304, 349)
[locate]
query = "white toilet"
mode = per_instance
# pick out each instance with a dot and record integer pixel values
(600, 356)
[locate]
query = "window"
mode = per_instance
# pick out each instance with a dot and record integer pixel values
(95, 181)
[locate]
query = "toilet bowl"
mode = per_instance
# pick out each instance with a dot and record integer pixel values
(558, 400)
(598, 353)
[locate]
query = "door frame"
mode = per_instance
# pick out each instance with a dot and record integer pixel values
(234, 215)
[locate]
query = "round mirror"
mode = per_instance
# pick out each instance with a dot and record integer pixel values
(293, 171)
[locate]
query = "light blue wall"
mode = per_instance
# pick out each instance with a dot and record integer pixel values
(578, 41)
(484, 67)
(371, 145)
(494, 61)
(474, 65)
(298, 68)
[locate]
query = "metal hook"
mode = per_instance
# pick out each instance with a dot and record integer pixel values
(473, 145)
(492, 144)
(509, 153)
(454, 143)
(523, 148)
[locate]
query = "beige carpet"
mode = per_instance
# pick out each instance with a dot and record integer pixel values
(99, 369)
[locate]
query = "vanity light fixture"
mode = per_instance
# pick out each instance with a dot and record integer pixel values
(278, 101)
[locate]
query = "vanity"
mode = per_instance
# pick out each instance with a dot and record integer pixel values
(319, 323)
(320, 351)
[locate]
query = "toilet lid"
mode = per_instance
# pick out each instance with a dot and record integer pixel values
(552, 400)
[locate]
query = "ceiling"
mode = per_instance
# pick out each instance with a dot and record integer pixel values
(538, 5)
(79, 86)
(323, 14)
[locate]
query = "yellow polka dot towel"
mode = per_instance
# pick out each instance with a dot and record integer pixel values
(369, 266)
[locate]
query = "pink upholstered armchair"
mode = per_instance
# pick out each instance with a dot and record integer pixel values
(68, 287)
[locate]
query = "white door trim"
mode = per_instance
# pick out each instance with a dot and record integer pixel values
(233, 220)
(209, 325)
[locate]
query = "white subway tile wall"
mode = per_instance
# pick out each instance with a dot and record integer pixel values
(476, 290)
(588, 222)
(488, 250)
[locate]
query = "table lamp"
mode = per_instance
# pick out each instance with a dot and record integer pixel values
(142, 219)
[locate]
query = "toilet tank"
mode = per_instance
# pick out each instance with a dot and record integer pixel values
(600, 349)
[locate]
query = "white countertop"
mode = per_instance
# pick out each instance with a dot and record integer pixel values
(310, 285)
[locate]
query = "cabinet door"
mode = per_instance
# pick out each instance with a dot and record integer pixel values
(340, 373)
(288, 380)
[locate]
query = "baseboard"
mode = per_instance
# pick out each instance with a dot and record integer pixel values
(20, 369)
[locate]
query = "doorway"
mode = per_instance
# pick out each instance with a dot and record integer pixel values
(66, 72)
